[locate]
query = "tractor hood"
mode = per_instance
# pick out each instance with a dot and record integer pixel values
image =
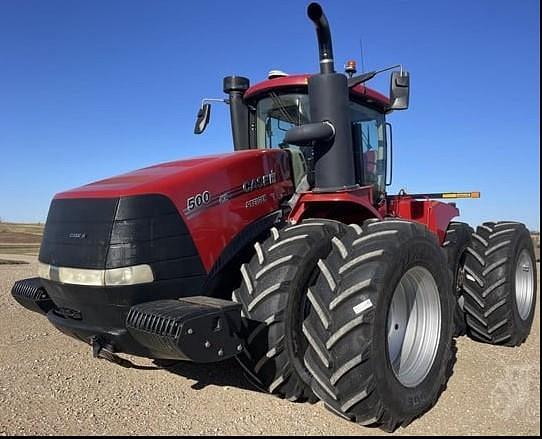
(216, 196)
(162, 178)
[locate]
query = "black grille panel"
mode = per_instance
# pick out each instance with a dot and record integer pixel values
(146, 229)
(77, 232)
(133, 252)
(119, 232)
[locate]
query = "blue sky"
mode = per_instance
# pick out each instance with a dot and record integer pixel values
(93, 89)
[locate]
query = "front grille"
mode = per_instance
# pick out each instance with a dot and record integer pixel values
(119, 232)
(77, 232)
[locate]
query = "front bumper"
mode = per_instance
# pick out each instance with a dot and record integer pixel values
(199, 329)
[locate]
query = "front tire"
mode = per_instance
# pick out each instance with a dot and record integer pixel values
(273, 298)
(381, 332)
(500, 284)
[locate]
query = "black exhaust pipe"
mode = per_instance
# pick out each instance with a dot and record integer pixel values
(329, 102)
(235, 87)
(325, 48)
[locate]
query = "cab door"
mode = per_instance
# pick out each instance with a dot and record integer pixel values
(369, 142)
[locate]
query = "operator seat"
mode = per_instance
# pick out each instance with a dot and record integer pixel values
(299, 173)
(369, 164)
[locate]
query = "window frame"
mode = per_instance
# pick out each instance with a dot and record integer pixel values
(380, 187)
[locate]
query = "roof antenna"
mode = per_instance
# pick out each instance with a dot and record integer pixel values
(362, 55)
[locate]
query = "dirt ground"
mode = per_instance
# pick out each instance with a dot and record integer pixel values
(50, 384)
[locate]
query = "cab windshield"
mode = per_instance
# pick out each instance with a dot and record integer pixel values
(277, 113)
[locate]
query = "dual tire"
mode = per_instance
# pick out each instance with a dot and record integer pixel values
(500, 284)
(274, 305)
(380, 337)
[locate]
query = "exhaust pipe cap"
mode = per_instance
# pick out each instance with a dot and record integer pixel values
(236, 83)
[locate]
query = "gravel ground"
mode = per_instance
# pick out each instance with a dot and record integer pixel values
(50, 384)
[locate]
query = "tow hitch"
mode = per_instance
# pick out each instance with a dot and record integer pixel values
(102, 352)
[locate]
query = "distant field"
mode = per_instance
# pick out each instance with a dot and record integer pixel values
(19, 239)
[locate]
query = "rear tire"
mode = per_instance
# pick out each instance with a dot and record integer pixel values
(500, 284)
(272, 295)
(354, 330)
(455, 245)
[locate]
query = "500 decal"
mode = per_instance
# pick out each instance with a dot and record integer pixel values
(204, 200)
(198, 200)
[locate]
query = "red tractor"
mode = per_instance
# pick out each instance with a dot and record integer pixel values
(341, 292)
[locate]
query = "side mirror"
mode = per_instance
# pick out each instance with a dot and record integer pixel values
(204, 114)
(305, 135)
(399, 90)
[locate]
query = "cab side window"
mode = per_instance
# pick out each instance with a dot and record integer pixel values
(369, 142)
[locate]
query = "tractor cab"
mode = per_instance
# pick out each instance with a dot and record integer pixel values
(263, 114)
(277, 105)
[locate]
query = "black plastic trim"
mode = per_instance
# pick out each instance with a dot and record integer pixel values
(245, 237)
(120, 232)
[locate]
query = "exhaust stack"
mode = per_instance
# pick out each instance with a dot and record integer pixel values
(329, 102)
(323, 33)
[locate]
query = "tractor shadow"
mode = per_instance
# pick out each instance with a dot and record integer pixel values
(222, 374)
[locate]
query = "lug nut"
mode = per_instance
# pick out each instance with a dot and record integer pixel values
(240, 348)
(190, 331)
(207, 344)
(220, 352)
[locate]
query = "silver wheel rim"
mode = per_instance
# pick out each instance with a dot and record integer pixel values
(414, 326)
(524, 285)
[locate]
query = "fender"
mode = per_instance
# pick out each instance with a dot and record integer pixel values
(355, 206)
(434, 214)
(225, 274)
(350, 205)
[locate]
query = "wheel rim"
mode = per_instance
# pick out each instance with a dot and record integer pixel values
(414, 326)
(524, 284)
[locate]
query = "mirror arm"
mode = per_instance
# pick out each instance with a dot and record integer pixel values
(360, 79)
(208, 100)
(364, 77)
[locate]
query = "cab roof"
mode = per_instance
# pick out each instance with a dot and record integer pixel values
(363, 93)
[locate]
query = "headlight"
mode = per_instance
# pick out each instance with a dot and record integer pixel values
(137, 274)
(44, 271)
(78, 276)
